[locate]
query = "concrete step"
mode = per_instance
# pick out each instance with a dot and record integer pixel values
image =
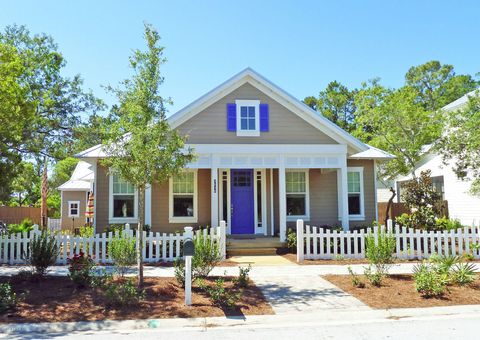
(251, 251)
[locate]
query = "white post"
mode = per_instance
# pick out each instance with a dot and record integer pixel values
(188, 235)
(282, 204)
(214, 197)
(148, 205)
(344, 198)
(223, 241)
(300, 254)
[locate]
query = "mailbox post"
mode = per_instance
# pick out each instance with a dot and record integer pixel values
(188, 252)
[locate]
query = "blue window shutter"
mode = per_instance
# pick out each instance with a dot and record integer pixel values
(264, 124)
(231, 117)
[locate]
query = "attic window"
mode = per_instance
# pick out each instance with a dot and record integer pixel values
(248, 117)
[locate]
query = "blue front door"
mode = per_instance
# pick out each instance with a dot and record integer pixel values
(242, 201)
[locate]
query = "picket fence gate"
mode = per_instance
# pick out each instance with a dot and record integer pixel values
(157, 247)
(316, 243)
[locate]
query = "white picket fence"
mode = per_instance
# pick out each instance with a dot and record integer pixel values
(317, 243)
(157, 247)
(54, 224)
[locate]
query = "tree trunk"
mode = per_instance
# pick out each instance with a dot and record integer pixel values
(389, 205)
(141, 223)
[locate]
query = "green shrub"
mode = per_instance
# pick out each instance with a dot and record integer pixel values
(80, 269)
(429, 281)
(444, 264)
(102, 279)
(122, 250)
(221, 296)
(179, 271)
(85, 231)
(243, 278)
(8, 298)
(115, 228)
(123, 293)
(445, 223)
(44, 251)
(292, 240)
(25, 226)
(356, 282)
(464, 273)
(380, 256)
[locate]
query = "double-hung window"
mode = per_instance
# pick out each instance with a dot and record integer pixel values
(183, 197)
(297, 194)
(248, 117)
(73, 208)
(123, 200)
(355, 192)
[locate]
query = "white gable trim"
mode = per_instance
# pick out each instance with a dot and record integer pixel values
(277, 94)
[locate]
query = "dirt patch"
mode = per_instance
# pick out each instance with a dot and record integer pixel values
(55, 299)
(398, 291)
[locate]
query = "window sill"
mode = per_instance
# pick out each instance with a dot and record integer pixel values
(182, 219)
(292, 218)
(241, 133)
(354, 218)
(122, 220)
(73, 216)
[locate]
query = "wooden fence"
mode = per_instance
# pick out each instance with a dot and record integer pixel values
(317, 243)
(157, 247)
(18, 214)
(398, 208)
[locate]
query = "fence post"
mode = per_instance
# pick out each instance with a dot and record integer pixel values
(188, 236)
(223, 241)
(300, 254)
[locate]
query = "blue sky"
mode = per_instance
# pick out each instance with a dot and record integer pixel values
(299, 45)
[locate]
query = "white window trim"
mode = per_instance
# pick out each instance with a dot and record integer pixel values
(70, 208)
(120, 220)
(263, 192)
(306, 217)
(361, 216)
(191, 219)
(248, 133)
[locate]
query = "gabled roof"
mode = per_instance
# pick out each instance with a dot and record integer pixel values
(248, 75)
(80, 179)
(299, 108)
(460, 102)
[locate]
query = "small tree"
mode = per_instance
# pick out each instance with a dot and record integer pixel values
(141, 147)
(422, 200)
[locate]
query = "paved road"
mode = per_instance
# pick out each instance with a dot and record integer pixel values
(438, 328)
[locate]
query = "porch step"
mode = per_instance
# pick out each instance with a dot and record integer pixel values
(253, 245)
(251, 251)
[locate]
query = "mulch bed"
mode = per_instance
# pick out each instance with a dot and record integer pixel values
(398, 291)
(55, 299)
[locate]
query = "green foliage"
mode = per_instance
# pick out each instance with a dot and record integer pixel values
(115, 228)
(80, 269)
(8, 298)
(356, 282)
(464, 273)
(291, 239)
(44, 251)
(206, 257)
(123, 293)
(220, 295)
(444, 223)
(25, 226)
(122, 250)
(243, 278)
(429, 281)
(373, 275)
(381, 253)
(86, 231)
(460, 142)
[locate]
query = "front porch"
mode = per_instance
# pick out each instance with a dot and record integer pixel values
(262, 189)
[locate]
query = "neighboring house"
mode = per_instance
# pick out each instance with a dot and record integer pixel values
(74, 196)
(461, 204)
(265, 159)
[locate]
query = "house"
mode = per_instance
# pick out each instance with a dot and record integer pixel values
(74, 196)
(461, 204)
(264, 160)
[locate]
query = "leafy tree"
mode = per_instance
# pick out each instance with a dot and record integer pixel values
(394, 121)
(437, 84)
(142, 147)
(336, 103)
(62, 172)
(90, 133)
(460, 142)
(26, 185)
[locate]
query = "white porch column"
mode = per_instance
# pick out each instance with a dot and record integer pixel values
(282, 204)
(343, 193)
(214, 197)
